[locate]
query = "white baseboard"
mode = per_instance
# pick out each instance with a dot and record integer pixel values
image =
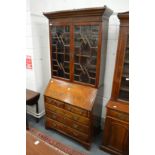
(39, 115)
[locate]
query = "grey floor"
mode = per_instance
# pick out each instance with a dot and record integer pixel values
(66, 140)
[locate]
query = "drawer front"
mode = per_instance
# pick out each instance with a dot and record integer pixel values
(117, 114)
(68, 122)
(54, 102)
(64, 129)
(54, 109)
(53, 124)
(77, 118)
(77, 134)
(67, 114)
(76, 110)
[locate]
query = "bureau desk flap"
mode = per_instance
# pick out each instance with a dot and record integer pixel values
(71, 93)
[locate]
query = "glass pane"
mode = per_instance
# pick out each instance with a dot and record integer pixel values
(124, 88)
(60, 51)
(85, 53)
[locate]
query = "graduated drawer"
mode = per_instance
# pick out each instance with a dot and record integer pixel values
(54, 102)
(67, 114)
(65, 129)
(76, 110)
(117, 114)
(53, 124)
(68, 122)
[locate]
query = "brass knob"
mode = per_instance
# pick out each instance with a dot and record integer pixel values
(69, 108)
(75, 117)
(54, 125)
(75, 125)
(53, 116)
(54, 110)
(114, 106)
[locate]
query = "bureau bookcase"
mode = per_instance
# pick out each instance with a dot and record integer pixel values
(78, 41)
(116, 128)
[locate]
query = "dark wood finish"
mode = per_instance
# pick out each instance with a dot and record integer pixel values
(116, 128)
(59, 60)
(86, 12)
(41, 148)
(32, 98)
(69, 109)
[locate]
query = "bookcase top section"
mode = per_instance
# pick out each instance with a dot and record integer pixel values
(97, 11)
(124, 15)
(74, 94)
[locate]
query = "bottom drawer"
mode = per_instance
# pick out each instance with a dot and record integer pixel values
(66, 130)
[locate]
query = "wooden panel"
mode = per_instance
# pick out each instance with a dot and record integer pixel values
(68, 114)
(74, 94)
(68, 122)
(115, 136)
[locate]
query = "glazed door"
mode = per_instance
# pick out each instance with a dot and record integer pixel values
(86, 40)
(60, 51)
(124, 86)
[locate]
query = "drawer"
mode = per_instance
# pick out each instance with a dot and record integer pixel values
(76, 110)
(55, 109)
(117, 114)
(77, 118)
(64, 129)
(65, 113)
(53, 124)
(68, 122)
(77, 134)
(54, 102)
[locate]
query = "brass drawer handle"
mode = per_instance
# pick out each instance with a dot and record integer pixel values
(81, 112)
(75, 117)
(50, 100)
(53, 116)
(54, 110)
(75, 125)
(59, 103)
(68, 108)
(114, 106)
(54, 125)
(120, 116)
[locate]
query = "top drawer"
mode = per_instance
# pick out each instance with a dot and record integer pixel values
(79, 111)
(67, 107)
(54, 102)
(117, 114)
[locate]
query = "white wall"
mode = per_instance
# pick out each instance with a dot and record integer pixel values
(38, 48)
(54, 5)
(39, 40)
